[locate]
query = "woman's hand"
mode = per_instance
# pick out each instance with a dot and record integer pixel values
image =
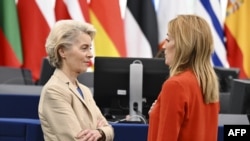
(101, 122)
(92, 135)
(89, 135)
(152, 106)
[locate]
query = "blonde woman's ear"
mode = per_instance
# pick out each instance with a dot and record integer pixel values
(61, 53)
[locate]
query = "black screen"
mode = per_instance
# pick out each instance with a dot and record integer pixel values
(111, 82)
(226, 76)
(46, 71)
(240, 97)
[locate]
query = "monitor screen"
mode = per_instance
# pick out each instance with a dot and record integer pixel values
(111, 83)
(226, 76)
(240, 97)
(46, 71)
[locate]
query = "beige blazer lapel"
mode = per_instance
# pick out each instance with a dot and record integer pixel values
(75, 91)
(58, 73)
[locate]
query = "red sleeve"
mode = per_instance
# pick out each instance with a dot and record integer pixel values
(173, 103)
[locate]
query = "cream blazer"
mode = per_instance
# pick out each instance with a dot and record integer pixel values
(63, 112)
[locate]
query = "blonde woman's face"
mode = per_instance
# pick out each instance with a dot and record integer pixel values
(169, 50)
(78, 57)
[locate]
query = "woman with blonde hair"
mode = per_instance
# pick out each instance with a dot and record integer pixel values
(67, 110)
(187, 107)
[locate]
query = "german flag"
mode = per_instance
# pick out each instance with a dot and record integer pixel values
(106, 17)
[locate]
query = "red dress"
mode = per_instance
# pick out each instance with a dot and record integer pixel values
(180, 113)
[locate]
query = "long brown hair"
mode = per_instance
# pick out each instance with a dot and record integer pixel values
(194, 47)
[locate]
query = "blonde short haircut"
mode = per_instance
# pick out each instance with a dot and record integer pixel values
(63, 34)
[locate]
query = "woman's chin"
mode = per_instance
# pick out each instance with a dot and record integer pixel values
(166, 62)
(81, 71)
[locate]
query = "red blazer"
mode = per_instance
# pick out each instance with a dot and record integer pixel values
(180, 113)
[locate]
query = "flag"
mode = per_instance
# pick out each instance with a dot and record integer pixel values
(236, 31)
(34, 31)
(73, 9)
(141, 29)
(76, 10)
(84, 5)
(166, 11)
(106, 17)
(10, 41)
(61, 11)
(211, 11)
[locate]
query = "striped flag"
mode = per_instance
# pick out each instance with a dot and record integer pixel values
(211, 11)
(73, 9)
(84, 9)
(106, 17)
(61, 11)
(34, 31)
(141, 29)
(236, 31)
(10, 42)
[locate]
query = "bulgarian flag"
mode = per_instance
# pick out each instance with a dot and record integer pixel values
(10, 42)
(106, 17)
(236, 30)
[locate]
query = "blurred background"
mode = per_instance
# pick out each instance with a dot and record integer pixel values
(125, 28)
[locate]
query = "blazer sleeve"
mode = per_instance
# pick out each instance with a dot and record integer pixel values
(107, 129)
(60, 116)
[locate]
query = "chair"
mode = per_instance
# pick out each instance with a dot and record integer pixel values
(46, 71)
(224, 103)
(226, 76)
(10, 75)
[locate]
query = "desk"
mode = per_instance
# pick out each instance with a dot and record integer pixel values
(19, 110)
(138, 132)
(130, 132)
(22, 129)
(19, 129)
(24, 112)
(19, 106)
